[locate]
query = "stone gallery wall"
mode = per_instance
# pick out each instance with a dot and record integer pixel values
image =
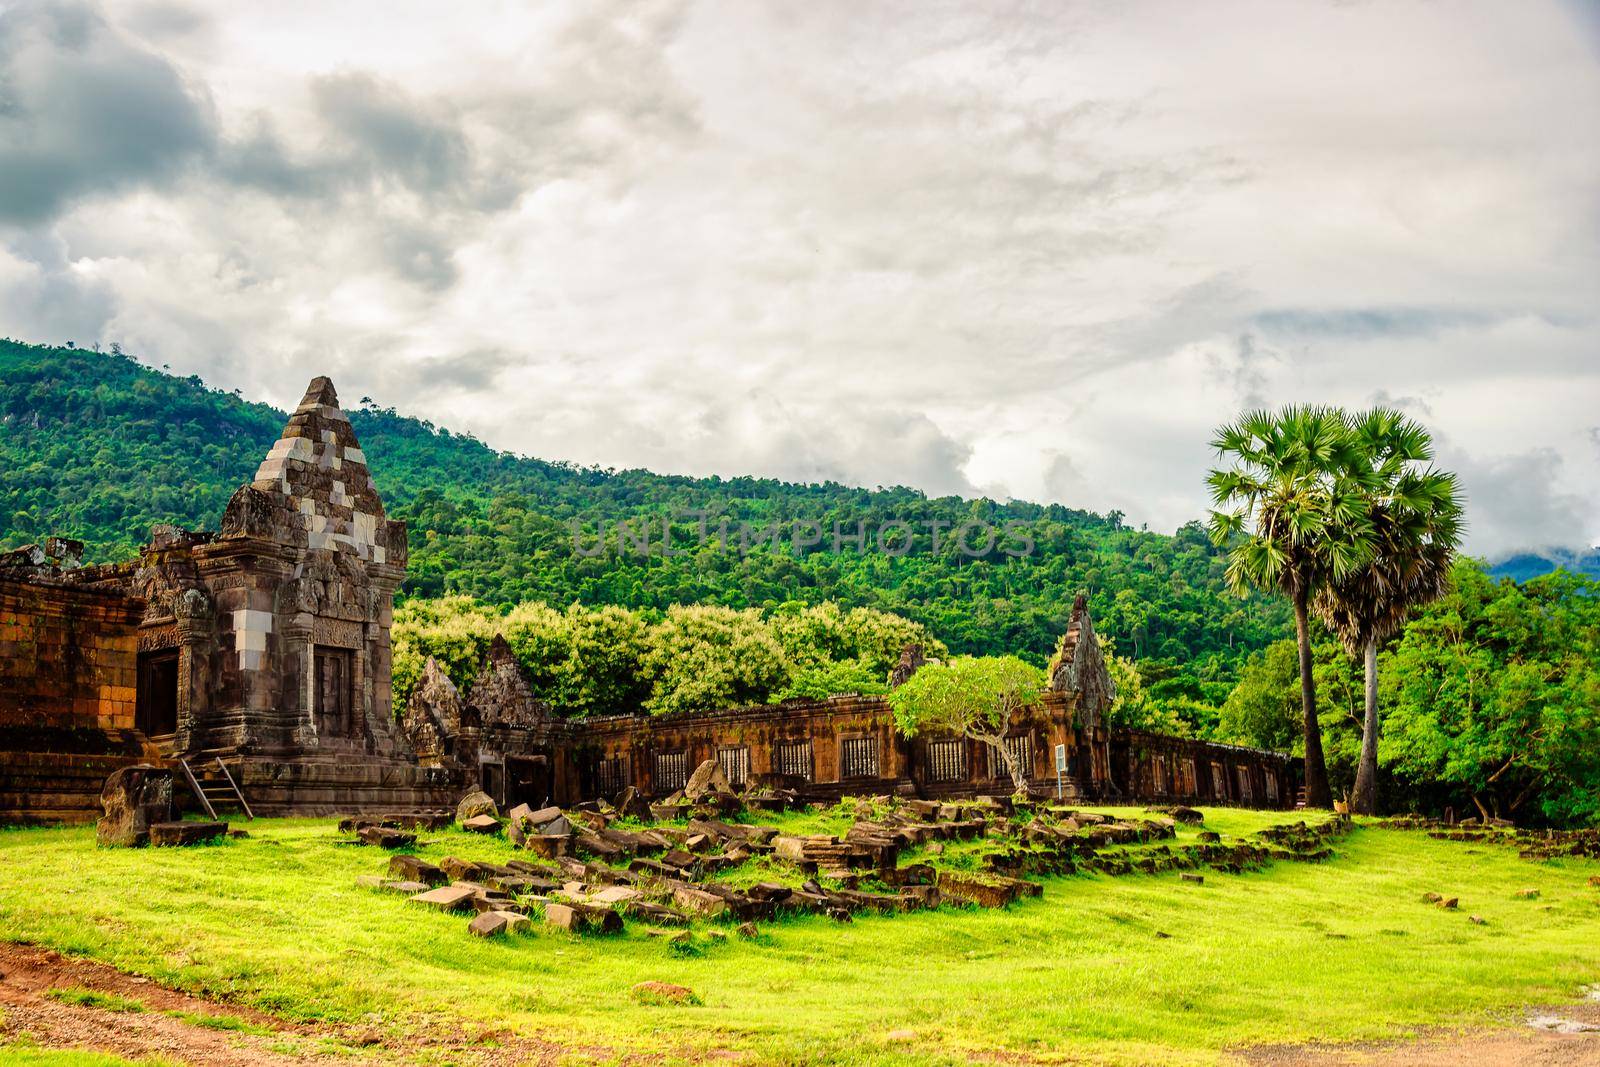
(519, 750)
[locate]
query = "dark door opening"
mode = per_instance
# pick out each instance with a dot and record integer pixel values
(155, 707)
(333, 684)
(527, 781)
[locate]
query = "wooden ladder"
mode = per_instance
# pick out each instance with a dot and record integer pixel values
(225, 791)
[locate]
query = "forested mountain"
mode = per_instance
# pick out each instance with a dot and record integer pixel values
(98, 447)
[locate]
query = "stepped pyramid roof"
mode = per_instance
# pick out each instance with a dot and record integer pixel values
(318, 470)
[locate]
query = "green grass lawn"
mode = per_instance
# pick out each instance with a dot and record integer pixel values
(1338, 951)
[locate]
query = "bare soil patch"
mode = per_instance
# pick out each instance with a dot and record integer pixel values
(28, 974)
(1523, 1046)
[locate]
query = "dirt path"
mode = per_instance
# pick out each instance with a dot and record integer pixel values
(1558, 1040)
(29, 973)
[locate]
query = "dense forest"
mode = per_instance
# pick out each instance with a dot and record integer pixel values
(97, 446)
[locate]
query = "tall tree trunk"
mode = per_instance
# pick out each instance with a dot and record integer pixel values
(1365, 799)
(1318, 794)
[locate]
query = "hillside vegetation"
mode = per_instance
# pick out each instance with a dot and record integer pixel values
(99, 447)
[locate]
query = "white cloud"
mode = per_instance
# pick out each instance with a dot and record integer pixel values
(1026, 250)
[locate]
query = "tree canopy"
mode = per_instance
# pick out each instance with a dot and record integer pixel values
(970, 696)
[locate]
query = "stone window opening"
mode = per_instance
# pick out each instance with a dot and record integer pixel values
(793, 759)
(610, 775)
(1187, 776)
(858, 757)
(1219, 781)
(735, 763)
(1021, 749)
(1272, 786)
(334, 681)
(947, 761)
(156, 695)
(672, 771)
(1244, 783)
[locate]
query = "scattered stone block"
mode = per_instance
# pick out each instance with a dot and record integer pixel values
(474, 804)
(497, 923)
(1449, 903)
(707, 779)
(172, 834)
(631, 805)
(699, 901)
(413, 869)
(133, 798)
(448, 897)
(1528, 894)
(655, 913)
(383, 837)
(460, 870)
(616, 894)
(547, 846)
(1198, 879)
(747, 931)
(481, 824)
(991, 891)
(582, 918)
(1477, 920)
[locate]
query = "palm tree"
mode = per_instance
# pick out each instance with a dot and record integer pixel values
(1417, 524)
(1292, 516)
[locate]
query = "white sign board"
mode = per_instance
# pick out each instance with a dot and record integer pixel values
(1061, 758)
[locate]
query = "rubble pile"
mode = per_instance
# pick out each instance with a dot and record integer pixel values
(592, 866)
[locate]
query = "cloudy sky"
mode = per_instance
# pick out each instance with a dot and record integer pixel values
(1035, 250)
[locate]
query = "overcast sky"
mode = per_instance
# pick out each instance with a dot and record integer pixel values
(1035, 250)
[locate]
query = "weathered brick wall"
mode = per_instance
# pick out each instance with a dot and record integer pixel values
(67, 685)
(68, 656)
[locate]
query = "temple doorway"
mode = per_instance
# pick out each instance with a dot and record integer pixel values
(527, 781)
(155, 703)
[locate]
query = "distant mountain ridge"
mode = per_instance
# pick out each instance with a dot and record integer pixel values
(1521, 566)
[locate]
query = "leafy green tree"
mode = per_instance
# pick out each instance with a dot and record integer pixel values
(1132, 708)
(1496, 694)
(1264, 708)
(712, 657)
(1291, 516)
(970, 696)
(1415, 519)
(607, 647)
(819, 681)
(456, 631)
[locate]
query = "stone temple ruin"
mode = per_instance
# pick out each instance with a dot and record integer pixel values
(262, 651)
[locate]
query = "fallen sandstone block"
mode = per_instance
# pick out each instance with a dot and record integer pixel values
(497, 923)
(448, 897)
(412, 869)
(173, 834)
(582, 918)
